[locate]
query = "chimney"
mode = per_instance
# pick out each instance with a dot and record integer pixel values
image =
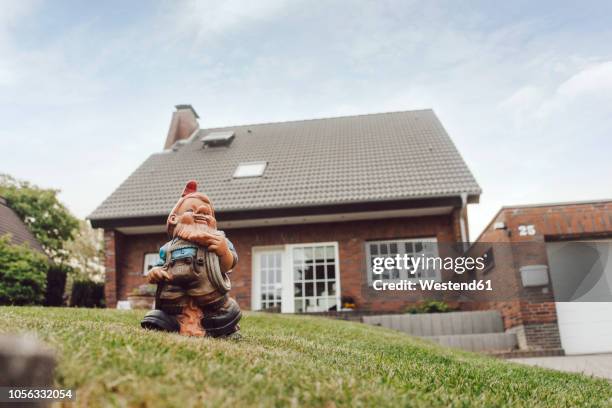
(184, 123)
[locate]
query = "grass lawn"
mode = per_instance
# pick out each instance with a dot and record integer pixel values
(283, 360)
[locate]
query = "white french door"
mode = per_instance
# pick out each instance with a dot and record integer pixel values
(303, 278)
(267, 279)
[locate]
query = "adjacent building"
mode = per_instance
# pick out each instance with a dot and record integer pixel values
(552, 270)
(12, 225)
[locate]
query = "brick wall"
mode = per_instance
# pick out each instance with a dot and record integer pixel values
(125, 271)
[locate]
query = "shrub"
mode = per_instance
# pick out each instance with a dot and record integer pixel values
(144, 290)
(430, 306)
(87, 293)
(23, 274)
(56, 284)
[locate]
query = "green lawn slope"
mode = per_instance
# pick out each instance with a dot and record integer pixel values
(283, 360)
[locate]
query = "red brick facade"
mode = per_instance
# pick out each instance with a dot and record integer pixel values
(125, 254)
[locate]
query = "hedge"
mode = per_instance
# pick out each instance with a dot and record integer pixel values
(23, 274)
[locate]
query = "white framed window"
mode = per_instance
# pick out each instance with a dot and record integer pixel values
(250, 169)
(269, 283)
(315, 277)
(150, 260)
(300, 278)
(413, 248)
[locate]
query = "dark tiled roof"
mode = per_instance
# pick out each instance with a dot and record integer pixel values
(378, 157)
(10, 223)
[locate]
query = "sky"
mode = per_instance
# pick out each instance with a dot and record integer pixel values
(523, 88)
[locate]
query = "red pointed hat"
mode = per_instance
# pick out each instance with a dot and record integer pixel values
(190, 187)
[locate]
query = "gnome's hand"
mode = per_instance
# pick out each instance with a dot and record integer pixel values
(218, 244)
(158, 274)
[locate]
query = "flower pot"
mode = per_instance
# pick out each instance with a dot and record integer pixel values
(141, 301)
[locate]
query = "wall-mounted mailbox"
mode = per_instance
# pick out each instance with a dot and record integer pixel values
(534, 275)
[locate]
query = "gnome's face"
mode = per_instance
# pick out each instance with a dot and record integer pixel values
(192, 215)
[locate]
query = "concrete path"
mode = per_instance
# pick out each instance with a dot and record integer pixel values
(598, 365)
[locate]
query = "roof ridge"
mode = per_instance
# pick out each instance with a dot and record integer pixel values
(323, 118)
(557, 203)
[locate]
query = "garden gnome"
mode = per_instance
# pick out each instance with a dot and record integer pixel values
(192, 274)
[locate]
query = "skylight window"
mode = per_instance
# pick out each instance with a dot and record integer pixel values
(250, 169)
(218, 138)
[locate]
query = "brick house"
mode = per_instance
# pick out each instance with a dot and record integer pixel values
(306, 203)
(551, 265)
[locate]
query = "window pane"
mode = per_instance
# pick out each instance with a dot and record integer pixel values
(298, 255)
(254, 169)
(319, 253)
(299, 306)
(320, 288)
(373, 249)
(320, 272)
(330, 253)
(308, 275)
(308, 254)
(331, 272)
(331, 288)
(298, 273)
(308, 289)
(298, 290)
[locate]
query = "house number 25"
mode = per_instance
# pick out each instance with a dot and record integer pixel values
(525, 230)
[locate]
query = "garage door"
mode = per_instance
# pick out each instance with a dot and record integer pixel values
(581, 274)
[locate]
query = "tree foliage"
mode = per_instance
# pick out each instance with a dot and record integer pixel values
(86, 251)
(23, 274)
(47, 218)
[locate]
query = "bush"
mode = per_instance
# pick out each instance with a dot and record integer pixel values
(56, 284)
(87, 293)
(430, 306)
(23, 274)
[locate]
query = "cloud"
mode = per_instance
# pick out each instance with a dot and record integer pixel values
(209, 18)
(594, 79)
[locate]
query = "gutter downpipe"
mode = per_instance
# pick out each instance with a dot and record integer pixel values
(464, 237)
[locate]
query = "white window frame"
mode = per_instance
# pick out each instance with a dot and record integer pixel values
(404, 274)
(250, 169)
(287, 281)
(256, 271)
(145, 264)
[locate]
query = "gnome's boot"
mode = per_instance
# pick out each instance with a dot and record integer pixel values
(223, 321)
(159, 320)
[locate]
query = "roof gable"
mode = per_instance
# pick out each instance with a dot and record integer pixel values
(10, 223)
